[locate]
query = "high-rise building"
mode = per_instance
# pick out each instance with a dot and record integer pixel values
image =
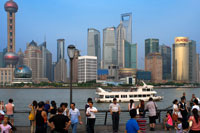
(181, 59)
(151, 46)
(52, 70)
(2, 61)
(46, 61)
(130, 55)
(11, 8)
(94, 46)
(153, 63)
(87, 68)
(75, 66)
(60, 71)
(109, 47)
(126, 20)
(197, 68)
(192, 61)
(33, 59)
(166, 58)
(21, 57)
(121, 32)
(60, 49)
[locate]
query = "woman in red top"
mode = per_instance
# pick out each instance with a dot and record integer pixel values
(194, 122)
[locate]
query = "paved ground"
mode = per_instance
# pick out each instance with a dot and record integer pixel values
(100, 129)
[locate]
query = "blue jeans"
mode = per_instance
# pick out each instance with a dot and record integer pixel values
(74, 127)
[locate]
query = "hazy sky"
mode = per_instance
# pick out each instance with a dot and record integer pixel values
(69, 19)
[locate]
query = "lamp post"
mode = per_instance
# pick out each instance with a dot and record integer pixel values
(71, 51)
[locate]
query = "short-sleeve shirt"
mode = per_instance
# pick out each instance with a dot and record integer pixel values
(195, 107)
(59, 121)
(195, 126)
(92, 114)
(9, 108)
(151, 106)
(74, 114)
(5, 129)
(114, 107)
(132, 126)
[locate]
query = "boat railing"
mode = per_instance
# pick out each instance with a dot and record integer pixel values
(103, 117)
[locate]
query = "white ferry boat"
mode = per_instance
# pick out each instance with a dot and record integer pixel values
(136, 93)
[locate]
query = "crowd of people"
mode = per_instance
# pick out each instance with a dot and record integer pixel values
(183, 118)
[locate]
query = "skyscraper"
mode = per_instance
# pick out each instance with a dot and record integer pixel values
(94, 46)
(46, 61)
(192, 61)
(166, 56)
(126, 20)
(60, 71)
(11, 8)
(181, 59)
(60, 49)
(153, 63)
(75, 66)
(21, 57)
(109, 47)
(151, 46)
(130, 55)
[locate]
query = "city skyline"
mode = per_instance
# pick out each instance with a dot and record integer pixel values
(147, 22)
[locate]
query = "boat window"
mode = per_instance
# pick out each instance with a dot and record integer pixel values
(148, 95)
(144, 95)
(135, 95)
(100, 96)
(123, 96)
(112, 96)
(107, 96)
(116, 96)
(131, 96)
(148, 89)
(139, 95)
(144, 89)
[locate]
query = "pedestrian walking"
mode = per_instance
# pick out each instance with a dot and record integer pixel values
(32, 115)
(59, 123)
(75, 117)
(176, 114)
(10, 110)
(86, 106)
(183, 109)
(195, 105)
(115, 112)
(91, 117)
(41, 118)
(132, 125)
(151, 107)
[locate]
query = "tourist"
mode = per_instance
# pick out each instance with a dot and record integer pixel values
(176, 113)
(75, 117)
(47, 107)
(184, 95)
(10, 110)
(131, 105)
(53, 109)
(195, 105)
(141, 110)
(1, 111)
(178, 126)
(194, 122)
(115, 112)
(151, 107)
(132, 125)
(5, 127)
(65, 109)
(91, 117)
(59, 123)
(183, 109)
(32, 115)
(41, 118)
(168, 123)
(86, 106)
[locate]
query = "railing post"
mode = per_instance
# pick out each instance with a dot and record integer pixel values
(105, 121)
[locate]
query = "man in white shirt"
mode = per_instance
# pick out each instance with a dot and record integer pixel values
(115, 112)
(91, 117)
(195, 105)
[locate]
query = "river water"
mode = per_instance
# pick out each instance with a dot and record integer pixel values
(23, 97)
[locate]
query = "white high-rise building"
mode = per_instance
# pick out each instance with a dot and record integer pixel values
(87, 68)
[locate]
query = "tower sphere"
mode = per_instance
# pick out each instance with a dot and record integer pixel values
(11, 58)
(11, 6)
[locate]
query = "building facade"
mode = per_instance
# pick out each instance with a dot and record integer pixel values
(166, 57)
(197, 68)
(153, 63)
(94, 45)
(130, 55)
(87, 68)
(7, 75)
(60, 71)
(192, 61)
(60, 49)
(109, 47)
(75, 66)
(126, 20)
(151, 46)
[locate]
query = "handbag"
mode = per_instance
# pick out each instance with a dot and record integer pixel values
(175, 117)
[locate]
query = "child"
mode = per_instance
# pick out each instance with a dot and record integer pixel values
(178, 126)
(168, 123)
(5, 127)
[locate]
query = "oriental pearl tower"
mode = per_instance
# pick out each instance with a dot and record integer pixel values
(11, 58)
